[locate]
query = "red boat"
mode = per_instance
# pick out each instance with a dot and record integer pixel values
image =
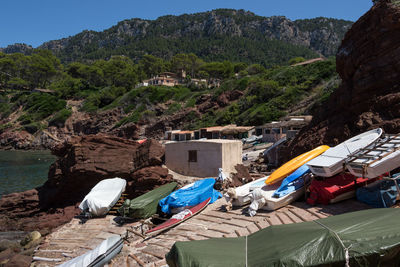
(335, 189)
(180, 217)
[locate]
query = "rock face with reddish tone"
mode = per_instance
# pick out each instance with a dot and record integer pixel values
(368, 61)
(15, 139)
(81, 164)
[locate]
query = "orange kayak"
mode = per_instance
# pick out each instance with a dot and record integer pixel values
(294, 164)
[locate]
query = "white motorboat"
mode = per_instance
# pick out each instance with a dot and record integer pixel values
(331, 162)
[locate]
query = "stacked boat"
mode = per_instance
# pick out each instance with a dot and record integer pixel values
(275, 193)
(332, 161)
(339, 171)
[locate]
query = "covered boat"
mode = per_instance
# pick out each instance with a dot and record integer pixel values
(190, 196)
(103, 196)
(340, 187)
(381, 193)
(99, 256)
(362, 238)
(331, 162)
(146, 205)
(294, 164)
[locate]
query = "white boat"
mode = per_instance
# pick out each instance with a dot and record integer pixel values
(103, 196)
(262, 198)
(240, 195)
(99, 256)
(376, 159)
(331, 162)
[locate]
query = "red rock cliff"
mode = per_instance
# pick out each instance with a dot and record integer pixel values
(81, 164)
(368, 61)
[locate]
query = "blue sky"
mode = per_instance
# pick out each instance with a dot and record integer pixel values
(36, 21)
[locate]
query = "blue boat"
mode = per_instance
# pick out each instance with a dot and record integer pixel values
(190, 196)
(292, 182)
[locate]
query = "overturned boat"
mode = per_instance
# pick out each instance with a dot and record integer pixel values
(190, 196)
(103, 196)
(295, 163)
(99, 256)
(146, 205)
(332, 161)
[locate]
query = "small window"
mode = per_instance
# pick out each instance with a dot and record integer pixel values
(192, 155)
(267, 131)
(284, 130)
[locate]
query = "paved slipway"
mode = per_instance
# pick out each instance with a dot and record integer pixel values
(74, 239)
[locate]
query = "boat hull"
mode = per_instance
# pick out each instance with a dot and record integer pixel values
(332, 161)
(173, 221)
(292, 165)
(378, 168)
(103, 196)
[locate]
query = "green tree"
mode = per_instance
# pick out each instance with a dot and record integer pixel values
(151, 66)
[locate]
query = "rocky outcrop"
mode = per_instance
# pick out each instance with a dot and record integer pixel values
(368, 61)
(81, 164)
(321, 35)
(17, 48)
(16, 139)
(226, 97)
(175, 121)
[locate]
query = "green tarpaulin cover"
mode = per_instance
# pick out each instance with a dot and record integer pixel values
(146, 205)
(369, 238)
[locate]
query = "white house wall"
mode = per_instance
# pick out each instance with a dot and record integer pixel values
(211, 155)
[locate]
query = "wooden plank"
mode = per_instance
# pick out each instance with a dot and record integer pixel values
(263, 223)
(304, 215)
(293, 216)
(252, 228)
(283, 218)
(155, 251)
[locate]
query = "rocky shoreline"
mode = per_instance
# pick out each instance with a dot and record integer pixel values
(82, 162)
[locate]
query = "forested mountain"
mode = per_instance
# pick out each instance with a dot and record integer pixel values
(223, 34)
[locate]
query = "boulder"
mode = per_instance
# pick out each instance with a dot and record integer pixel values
(89, 159)
(19, 260)
(30, 240)
(241, 177)
(147, 179)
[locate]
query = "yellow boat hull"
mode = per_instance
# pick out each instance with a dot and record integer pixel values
(294, 164)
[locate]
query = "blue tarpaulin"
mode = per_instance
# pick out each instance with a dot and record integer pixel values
(292, 182)
(190, 196)
(381, 194)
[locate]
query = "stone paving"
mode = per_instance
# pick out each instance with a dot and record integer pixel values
(74, 239)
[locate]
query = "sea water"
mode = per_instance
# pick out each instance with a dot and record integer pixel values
(23, 170)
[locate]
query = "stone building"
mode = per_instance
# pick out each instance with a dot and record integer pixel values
(203, 158)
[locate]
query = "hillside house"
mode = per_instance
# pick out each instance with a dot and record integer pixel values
(166, 79)
(216, 132)
(274, 131)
